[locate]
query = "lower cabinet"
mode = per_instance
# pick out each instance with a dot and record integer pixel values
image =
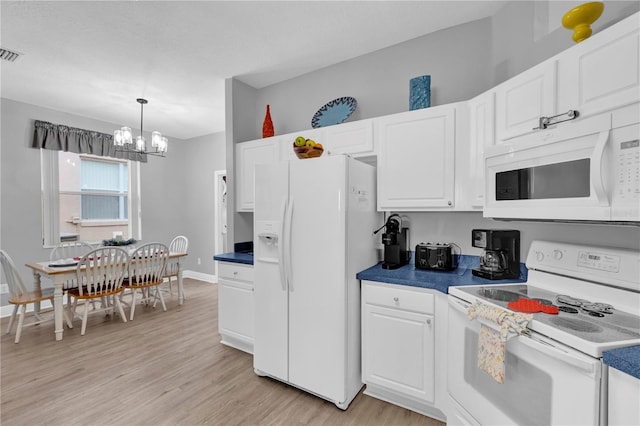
(624, 394)
(399, 346)
(235, 305)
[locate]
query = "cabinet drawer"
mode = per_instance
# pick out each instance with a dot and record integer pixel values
(236, 271)
(399, 298)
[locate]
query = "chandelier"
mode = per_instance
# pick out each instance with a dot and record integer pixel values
(124, 141)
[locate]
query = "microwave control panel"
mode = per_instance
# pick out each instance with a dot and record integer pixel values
(627, 179)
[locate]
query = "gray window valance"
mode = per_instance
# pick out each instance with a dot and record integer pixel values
(58, 137)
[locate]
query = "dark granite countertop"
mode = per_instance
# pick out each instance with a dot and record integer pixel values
(242, 253)
(626, 360)
(438, 280)
(235, 257)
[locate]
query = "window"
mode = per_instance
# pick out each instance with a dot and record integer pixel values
(104, 189)
(88, 198)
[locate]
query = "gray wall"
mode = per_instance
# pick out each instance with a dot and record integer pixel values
(456, 58)
(176, 191)
(203, 157)
(463, 62)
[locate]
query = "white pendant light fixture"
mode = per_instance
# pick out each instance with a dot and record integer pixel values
(124, 141)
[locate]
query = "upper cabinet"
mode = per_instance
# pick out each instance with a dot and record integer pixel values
(248, 154)
(597, 75)
(481, 135)
(416, 163)
(603, 72)
(355, 139)
(522, 100)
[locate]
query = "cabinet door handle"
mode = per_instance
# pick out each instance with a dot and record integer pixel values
(544, 122)
(395, 299)
(428, 321)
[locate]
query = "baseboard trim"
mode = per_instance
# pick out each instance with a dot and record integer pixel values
(213, 279)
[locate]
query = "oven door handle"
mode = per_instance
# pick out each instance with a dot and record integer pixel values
(459, 305)
(462, 306)
(588, 366)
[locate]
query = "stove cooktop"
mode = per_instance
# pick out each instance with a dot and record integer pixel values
(589, 326)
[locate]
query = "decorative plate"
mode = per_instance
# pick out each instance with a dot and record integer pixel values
(334, 112)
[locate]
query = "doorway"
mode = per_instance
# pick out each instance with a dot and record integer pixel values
(220, 206)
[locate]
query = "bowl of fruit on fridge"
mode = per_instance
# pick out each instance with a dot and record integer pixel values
(307, 148)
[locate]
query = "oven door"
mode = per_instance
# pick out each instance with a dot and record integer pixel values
(559, 174)
(545, 383)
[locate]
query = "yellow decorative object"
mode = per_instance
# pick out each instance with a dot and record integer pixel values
(580, 18)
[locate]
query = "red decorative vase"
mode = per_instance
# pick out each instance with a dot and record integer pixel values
(267, 125)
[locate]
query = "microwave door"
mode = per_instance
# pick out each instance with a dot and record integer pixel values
(559, 178)
(574, 178)
(570, 179)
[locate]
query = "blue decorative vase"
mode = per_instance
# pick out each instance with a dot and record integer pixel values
(420, 92)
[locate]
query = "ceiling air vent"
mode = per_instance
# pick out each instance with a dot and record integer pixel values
(8, 55)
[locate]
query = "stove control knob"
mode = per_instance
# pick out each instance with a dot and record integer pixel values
(557, 254)
(539, 256)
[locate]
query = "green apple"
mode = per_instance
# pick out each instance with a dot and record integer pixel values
(310, 143)
(300, 141)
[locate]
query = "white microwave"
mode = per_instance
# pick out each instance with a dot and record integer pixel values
(583, 170)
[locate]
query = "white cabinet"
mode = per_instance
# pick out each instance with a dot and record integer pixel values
(235, 305)
(248, 154)
(399, 346)
(355, 139)
(416, 164)
(597, 75)
(603, 72)
(624, 394)
(397, 343)
(481, 135)
(522, 100)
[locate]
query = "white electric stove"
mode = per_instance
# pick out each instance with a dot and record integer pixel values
(556, 365)
(596, 290)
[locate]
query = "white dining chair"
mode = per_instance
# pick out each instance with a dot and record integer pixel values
(21, 297)
(146, 272)
(179, 244)
(99, 275)
(69, 250)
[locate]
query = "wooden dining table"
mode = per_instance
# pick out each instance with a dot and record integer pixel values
(61, 274)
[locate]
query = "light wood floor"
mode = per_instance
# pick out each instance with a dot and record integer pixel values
(163, 368)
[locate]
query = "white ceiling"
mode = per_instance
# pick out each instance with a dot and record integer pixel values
(93, 59)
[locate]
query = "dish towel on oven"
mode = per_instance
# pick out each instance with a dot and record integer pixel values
(491, 342)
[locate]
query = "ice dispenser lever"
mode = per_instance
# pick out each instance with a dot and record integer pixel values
(268, 238)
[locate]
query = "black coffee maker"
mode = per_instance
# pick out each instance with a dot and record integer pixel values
(396, 243)
(501, 256)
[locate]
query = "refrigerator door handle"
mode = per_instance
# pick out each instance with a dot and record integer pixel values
(281, 251)
(287, 250)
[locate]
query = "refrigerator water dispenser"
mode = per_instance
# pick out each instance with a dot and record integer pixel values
(267, 232)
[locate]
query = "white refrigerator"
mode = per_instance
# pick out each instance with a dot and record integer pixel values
(313, 231)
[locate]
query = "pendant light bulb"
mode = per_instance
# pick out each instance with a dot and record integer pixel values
(127, 136)
(156, 139)
(140, 144)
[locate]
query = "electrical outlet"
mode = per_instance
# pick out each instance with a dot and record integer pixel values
(4, 288)
(199, 261)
